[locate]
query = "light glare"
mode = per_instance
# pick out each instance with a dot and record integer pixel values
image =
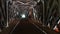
(23, 16)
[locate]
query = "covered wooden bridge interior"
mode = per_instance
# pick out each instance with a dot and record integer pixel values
(41, 16)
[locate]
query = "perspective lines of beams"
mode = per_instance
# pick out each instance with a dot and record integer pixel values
(50, 7)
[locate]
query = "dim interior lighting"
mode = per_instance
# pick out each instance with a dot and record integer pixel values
(23, 16)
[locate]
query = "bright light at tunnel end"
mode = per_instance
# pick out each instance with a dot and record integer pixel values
(23, 15)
